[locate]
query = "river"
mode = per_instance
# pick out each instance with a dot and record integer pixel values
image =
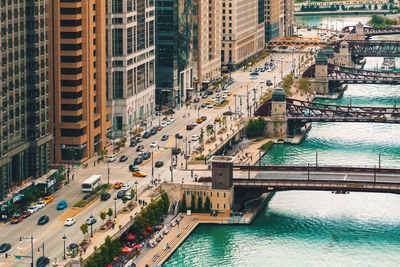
(307, 228)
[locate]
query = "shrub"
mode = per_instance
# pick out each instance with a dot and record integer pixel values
(266, 146)
(256, 127)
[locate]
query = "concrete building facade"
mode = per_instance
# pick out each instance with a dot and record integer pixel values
(25, 135)
(80, 118)
(279, 18)
(130, 64)
(243, 30)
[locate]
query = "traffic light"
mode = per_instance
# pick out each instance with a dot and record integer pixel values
(201, 130)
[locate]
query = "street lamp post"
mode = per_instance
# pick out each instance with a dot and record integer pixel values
(108, 172)
(255, 99)
(235, 103)
(198, 112)
(31, 238)
(152, 167)
(136, 183)
(248, 107)
(191, 142)
(274, 81)
(64, 239)
(115, 207)
(186, 152)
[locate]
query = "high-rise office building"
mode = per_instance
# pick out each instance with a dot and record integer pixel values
(243, 30)
(130, 63)
(176, 53)
(279, 18)
(25, 131)
(80, 118)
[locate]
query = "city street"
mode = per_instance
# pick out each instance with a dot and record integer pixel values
(51, 233)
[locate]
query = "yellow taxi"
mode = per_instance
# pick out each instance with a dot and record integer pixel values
(229, 93)
(48, 199)
(139, 173)
(209, 101)
(217, 119)
(199, 120)
(118, 185)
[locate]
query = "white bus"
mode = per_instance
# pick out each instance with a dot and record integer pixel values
(91, 183)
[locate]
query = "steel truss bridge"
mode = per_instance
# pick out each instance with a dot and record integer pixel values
(343, 74)
(371, 48)
(300, 111)
(296, 42)
(370, 31)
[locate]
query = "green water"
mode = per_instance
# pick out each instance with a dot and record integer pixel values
(307, 228)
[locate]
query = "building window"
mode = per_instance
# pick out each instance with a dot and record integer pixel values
(116, 6)
(118, 84)
(117, 42)
(129, 41)
(217, 194)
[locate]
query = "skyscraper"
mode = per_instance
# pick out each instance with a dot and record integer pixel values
(79, 115)
(25, 131)
(130, 63)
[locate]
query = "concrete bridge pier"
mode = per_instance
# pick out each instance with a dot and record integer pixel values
(277, 123)
(320, 84)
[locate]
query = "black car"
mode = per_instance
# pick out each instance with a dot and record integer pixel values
(171, 111)
(138, 161)
(120, 194)
(133, 143)
(133, 168)
(123, 158)
(203, 118)
(204, 96)
(42, 262)
(268, 83)
(5, 247)
(105, 196)
(146, 135)
(209, 92)
(203, 105)
(159, 164)
(146, 155)
(178, 136)
(210, 126)
(164, 137)
(43, 220)
(176, 150)
(153, 130)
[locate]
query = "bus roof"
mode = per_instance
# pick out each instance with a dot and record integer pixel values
(92, 178)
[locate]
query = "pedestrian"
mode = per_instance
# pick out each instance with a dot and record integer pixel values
(84, 250)
(158, 147)
(94, 163)
(113, 224)
(73, 177)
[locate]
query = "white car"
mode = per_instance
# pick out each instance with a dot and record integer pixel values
(33, 209)
(128, 195)
(168, 122)
(163, 124)
(225, 91)
(126, 187)
(41, 204)
(154, 144)
(111, 158)
(195, 137)
(172, 119)
(224, 96)
(262, 81)
(69, 221)
(214, 99)
(194, 123)
(210, 105)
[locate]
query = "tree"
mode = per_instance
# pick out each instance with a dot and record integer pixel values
(223, 119)
(183, 207)
(110, 213)
(201, 141)
(193, 203)
(343, 7)
(103, 215)
(207, 204)
(199, 203)
(376, 7)
(256, 127)
(303, 84)
(103, 153)
(84, 228)
(369, 6)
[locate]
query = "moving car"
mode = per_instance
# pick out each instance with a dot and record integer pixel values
(217, 119)
(178, 136)
(69, 221)
(111, 158)
(154, 144)
(25, 214)
(16, 218)
(128, 195)
(203, 105)
(105, 196)
(133, 168)
(139, 148)
(139, 173)
(91, 220)
(5, 247)
(176, 150)
(199, 120)
(123, 158)
(146, 155)
(118, 185)
(210, 126)
(133, 143)
(41, 204)
(120, 194)
(48, 199)
(268, 83)
(204, 118)
(33, 209)
(43, 220)
(210, 106)
(138, 161)
(164, 137)
(62, 205)
(126, 187)
(146, 135)
(159, 164)
(42, 262)
(195, 137)
(189, 127)
(228, 113)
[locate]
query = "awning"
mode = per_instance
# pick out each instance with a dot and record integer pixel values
(127, 249)
(130, 237)
(138, 246)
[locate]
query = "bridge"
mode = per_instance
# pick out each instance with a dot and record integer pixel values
(343, 74)
(370, 48)
(370, 31)
(306, 111)
(296, 42)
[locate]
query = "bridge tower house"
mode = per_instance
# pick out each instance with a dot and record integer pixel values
(343, 58)
(320, 84)
(277, 123)
(359, 34)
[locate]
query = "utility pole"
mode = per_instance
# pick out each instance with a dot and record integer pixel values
(186, 152)
(248, 107)
(171, 168)
(235, 103)
(152, 167)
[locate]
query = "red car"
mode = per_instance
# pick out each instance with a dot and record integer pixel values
(189, 127)
(139, 148)
(25, 214)
(159, 128)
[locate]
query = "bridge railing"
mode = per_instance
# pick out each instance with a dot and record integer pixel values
(313, 168)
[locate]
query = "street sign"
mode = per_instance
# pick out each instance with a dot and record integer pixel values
(17, 257)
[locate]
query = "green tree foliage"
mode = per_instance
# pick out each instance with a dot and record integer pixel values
(382, 22)
(110, 213)
(193, 203)
(256, 127)
(84, 228)
(103, 215)
(303, 84)
(287, 83)
(376, 7)
(200, 203)
(105, 254)
(207, 204)
(183, 207)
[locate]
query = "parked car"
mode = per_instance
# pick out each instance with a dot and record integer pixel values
(153, 131)
(204, 118)
(195, 137)
(178, 136)
(5, 247)
(111, 158)
(16, 218)
(43, 220)
(118, 185)
(176, 150)
(203, 105)
(159, 164)
(41, 204)
(120, 194)
(164, 137)
(210, 106)
(42, 262)
(139, 148)
(217, 119)
(146, 155)
(128, 195)
(91, 220)
(126, 187)
(48, 199)
(25, 214)
(105, 196)
(133, 167)
(62, 205)
(123, 158)
(33, 209)
(204, 96)
(159, 128)
(139, 140)
(163, 124)
(132, 143)
(228, 113)
(146, 135)
(268, 83)
(154, 144)
(199, 120)
(210, 126)
(69, 221)
(189, 127)
(138, 161)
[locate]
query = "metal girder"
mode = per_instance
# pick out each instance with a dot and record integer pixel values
(369, 31)
(371, 48)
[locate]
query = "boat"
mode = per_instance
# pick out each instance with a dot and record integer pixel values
(388, 64)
